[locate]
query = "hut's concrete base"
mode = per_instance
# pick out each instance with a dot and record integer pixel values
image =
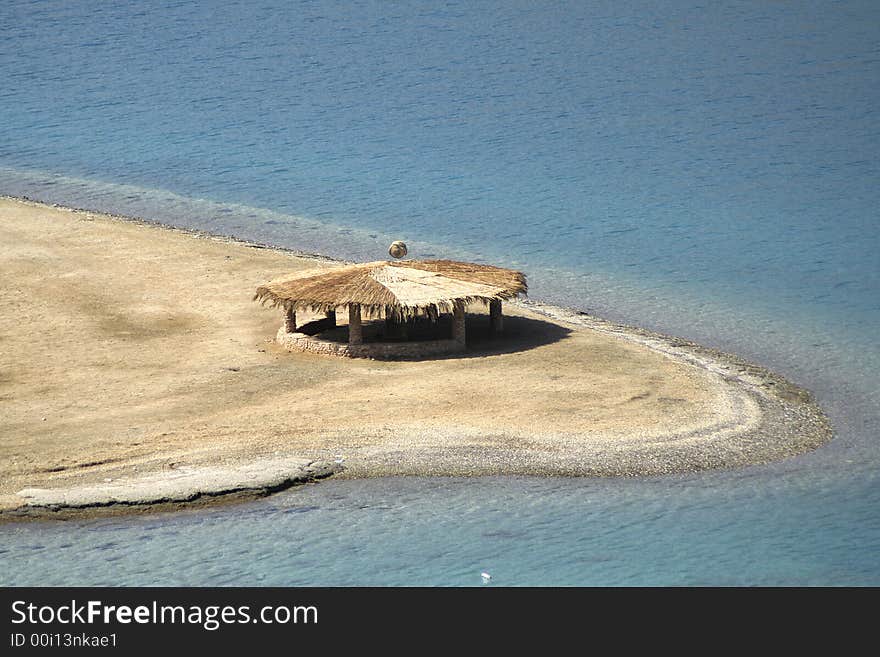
(380, 350)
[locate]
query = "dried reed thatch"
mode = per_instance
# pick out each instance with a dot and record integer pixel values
(400, 290)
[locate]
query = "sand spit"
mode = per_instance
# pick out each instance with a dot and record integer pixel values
(135, 370)
(182, 484)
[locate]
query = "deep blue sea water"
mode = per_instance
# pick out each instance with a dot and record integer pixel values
(705, 169)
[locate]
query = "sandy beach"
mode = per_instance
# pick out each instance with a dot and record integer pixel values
(132, 355)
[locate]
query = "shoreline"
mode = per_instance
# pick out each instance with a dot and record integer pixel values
(759, 415)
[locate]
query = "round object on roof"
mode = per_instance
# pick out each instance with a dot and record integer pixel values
(397, 249)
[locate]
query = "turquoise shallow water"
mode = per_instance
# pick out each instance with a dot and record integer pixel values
(538, 532)
(708, 171)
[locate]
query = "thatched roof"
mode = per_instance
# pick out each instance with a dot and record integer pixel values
(397, 288)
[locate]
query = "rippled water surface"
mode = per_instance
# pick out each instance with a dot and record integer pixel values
(708, 170)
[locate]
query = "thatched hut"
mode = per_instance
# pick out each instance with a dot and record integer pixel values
(396, 291)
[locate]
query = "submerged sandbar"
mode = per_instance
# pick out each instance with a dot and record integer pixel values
(129, 349)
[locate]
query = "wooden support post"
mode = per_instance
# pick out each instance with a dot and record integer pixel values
(496, 321)
(355, 330)
(290, 320)
(458, 332)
